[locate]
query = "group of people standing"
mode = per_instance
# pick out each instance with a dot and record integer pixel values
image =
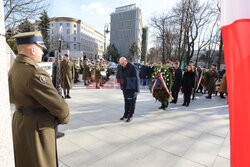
(189, 81)
(92, 71)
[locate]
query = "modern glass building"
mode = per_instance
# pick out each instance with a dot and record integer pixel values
(126, 28)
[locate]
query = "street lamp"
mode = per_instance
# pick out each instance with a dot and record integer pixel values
(106, 31)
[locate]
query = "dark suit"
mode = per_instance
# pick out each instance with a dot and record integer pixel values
(130, 85)
(188, 84)
(177, 83)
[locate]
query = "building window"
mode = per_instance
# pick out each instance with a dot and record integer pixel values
(61, 24)
(68, 24)
(75, 25)
(74, 46)
(68, 46)
(52, 31)
(51, 24)
(75, 32)
(68, 38)
(74, 39)
(68, 31)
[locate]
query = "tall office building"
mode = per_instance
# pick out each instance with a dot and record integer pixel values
(144, 44)
(126, 28)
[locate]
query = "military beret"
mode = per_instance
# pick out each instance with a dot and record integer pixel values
(176, 62)
(191, 61)
(29, 38)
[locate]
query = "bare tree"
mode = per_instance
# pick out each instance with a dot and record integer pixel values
(160, 25)
(16, 11)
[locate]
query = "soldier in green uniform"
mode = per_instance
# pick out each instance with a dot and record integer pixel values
(211, 79)
(77, 71)
(103, 71)
(85, 72)
(97, 74)
(39, 107)
(67, 73)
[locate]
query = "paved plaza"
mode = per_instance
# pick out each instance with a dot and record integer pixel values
(194, 136)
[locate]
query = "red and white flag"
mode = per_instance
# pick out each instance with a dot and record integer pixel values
(235, 19)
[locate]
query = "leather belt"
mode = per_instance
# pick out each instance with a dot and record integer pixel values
(32, 111)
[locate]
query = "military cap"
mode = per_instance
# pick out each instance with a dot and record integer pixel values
(29, 38)
(66, 55)
(168, 61)
(191, 61)
(214, 65)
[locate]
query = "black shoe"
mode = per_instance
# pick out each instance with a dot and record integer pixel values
(129, 119)
(59, 134)
(173, 102)
(208, 97)
(223, 97)
(162, 107)
(183, 104)
(68, 97)
(122, 118)
(187, 105)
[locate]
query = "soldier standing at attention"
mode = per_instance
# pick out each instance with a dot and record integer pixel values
(212, 76)
(97, 74)
(67, 73)
(38, 105)
(77, 71)
(85, 72)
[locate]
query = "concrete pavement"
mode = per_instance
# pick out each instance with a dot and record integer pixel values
(194, 136)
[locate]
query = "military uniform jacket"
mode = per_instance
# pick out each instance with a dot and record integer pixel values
(98, 71)
(67, 73)
(76, 68)
(86, 71)
(30, 87)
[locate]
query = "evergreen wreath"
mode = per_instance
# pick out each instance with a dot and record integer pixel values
(160, 94)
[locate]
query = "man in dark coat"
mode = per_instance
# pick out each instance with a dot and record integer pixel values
(177, 72)
(130, 85)
(144, 74)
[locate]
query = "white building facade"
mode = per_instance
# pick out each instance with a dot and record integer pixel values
(78, 38)
(126, 28)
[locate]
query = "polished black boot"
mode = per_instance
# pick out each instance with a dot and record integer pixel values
(209, 96)
(222, 96)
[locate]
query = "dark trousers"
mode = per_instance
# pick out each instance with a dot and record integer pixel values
(175, 93)
(187, 96)
(129, 107)
(144, 81)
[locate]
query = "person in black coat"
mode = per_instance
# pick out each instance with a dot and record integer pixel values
(130, 85)
(144, 74)
(188, 85)
(177, 72)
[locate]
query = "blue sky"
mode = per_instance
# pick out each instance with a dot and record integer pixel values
(96, 12)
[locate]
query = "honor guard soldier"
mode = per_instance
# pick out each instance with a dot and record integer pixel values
(39, 107)
(67, 73)
(77, 71)
(97, 74)
(85, 72)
